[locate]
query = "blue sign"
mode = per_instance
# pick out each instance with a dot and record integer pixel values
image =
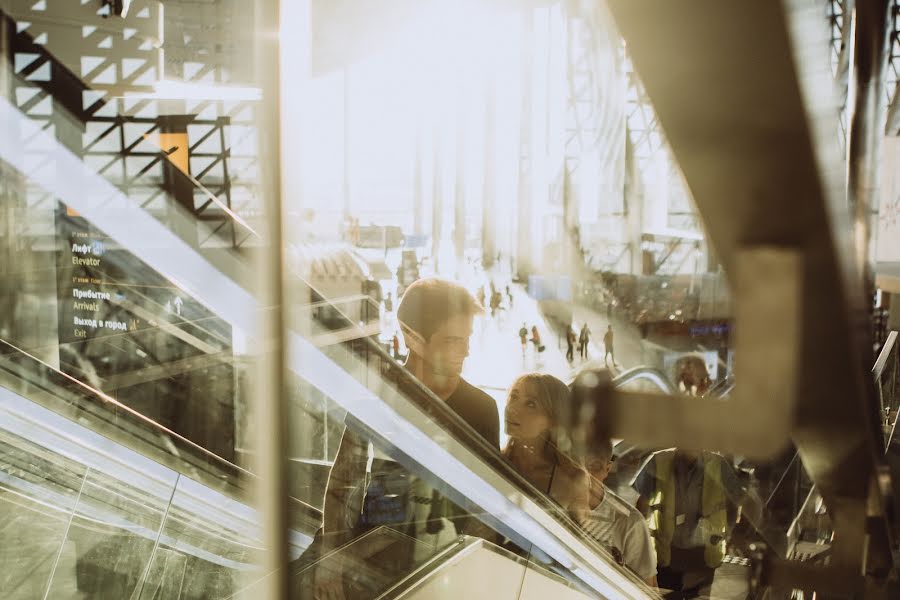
(541, 288)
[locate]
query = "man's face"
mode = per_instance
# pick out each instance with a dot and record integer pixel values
(448, 347)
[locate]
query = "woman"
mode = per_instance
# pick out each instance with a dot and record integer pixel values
(537, 443)
(535, 337)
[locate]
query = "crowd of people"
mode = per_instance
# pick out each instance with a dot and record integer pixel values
(673, 537)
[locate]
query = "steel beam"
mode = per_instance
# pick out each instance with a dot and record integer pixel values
(752, 126)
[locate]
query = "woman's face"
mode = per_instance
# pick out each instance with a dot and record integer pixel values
(525, 419)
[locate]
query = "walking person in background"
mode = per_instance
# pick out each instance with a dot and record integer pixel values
(570, 343)
(608, 345)
(584, 339)
(523, 337)
(509, 297)
(536, 339)
(495, 303)
(395, 346)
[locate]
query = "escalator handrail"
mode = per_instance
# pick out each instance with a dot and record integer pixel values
(415, 392)
(793, 532)
(889, 349)
(87, 397)
(893, 434)
(878, 368)
(726, 385)
(654, 376)
(86, 391)
(883, 355)
(189, 502)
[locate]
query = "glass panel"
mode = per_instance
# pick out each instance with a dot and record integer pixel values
(368, 565)
(206, 545)
(39, 493)
(113, 532)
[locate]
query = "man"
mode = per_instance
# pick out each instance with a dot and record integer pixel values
(685, 496)
(495, 303)
(584, 339)
(570, 343)
(436, 318)
(608, 345)
(613, 522)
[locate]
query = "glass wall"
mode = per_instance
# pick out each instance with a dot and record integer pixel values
(294, 297)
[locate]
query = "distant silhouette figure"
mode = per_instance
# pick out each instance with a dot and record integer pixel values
(570, 343)
(536, 339)
(584, 339)
(495, 303)
(608, 345)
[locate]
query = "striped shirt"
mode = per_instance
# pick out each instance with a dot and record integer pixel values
(621, 529)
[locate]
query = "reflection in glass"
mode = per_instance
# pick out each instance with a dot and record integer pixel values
(113, 531)
(39, 494)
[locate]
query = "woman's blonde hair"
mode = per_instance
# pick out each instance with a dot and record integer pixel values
(553, 396)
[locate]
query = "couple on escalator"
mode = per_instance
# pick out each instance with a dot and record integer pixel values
(365, 490)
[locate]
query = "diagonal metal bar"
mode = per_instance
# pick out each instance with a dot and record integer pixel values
(711, 103)
(107, 131)
(214, 163)
(203, 138)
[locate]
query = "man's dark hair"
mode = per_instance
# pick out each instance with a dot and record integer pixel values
(429, 303)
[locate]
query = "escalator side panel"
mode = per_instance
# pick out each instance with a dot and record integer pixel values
(488, 572)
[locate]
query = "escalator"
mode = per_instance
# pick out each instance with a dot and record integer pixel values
(811, 533)
(151, 524)
(104, 502)
(100, 501)
(118, 465)
(470, 567)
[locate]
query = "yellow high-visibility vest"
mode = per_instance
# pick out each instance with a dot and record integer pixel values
(662, 510)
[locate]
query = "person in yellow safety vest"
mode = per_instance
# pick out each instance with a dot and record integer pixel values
(685, 498)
